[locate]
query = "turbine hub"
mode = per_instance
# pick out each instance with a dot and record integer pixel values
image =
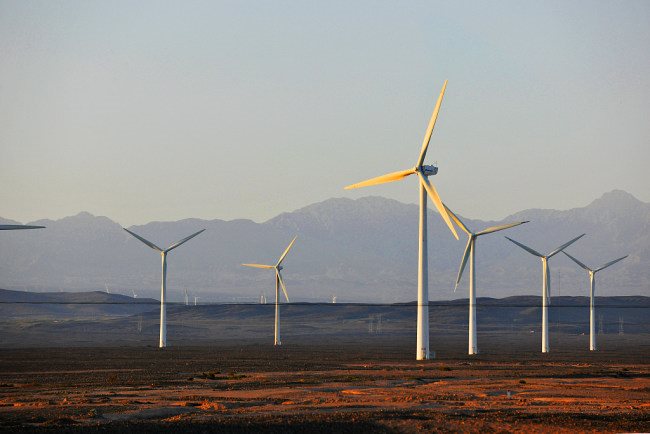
(429, 169)
(279, 267)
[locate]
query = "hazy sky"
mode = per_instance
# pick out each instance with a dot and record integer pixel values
(164, 110)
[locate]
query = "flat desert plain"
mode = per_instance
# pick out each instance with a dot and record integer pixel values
(324, 386)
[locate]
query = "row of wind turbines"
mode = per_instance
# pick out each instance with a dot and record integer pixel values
(279, 282)
(426, 189)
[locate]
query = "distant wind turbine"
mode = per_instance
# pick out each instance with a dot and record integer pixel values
(187, 299)
(278, 282)
(546, 284)
(163, 286)
(134, 294)
(470, 251)
(592, 289)
(423, 172)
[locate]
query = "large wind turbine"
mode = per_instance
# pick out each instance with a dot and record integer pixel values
(470, 251)
(546, 284)
(592, 289)
(423, 172)
(163, 286)
(278, 282)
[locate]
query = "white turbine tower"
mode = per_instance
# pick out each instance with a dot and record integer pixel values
(592, 290)
(163, 286)
(546, 284)
(187, 297)
(469, 254)
(278, 282)
(423, 172)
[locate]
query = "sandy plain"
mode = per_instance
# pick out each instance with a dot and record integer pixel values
(323, 386)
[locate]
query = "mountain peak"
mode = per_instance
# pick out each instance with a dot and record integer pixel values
(616, 198)
(84, 214)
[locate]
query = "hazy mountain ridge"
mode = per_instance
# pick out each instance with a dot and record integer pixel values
(364, 249)
(82, 319)
(22, 304)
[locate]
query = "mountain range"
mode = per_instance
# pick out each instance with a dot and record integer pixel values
(358, 250)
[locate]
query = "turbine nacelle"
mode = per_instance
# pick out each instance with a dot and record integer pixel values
(428, 169)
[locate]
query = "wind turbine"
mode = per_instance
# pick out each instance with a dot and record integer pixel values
(18, 227)
(278, 282)
(592, 288)
(134, 294)
(546, 284)
(163, 286)
(187, 297)
(470, 251)
(423, 172)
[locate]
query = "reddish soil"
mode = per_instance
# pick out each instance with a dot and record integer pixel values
(322, 388)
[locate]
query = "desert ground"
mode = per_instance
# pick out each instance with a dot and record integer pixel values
(329, 385)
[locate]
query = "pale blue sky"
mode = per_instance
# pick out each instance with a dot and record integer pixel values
(163, 110)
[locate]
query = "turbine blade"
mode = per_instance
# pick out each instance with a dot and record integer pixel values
(258, 266)
(389, 177)
(564, 246)
(147, 242)
(499, 228)
(433, 194)
(526, 248)
(286, 251)
(463, 262)
(184, 240)
(18, 227)
(577, 262)
(458, 221)
(432, 123)
(610, 263)
(284, 288)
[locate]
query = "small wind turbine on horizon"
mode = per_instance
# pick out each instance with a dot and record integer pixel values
(163, 285)
(187, 299)
(134, 294)
(470, 251)
(278, 282)
(423, 172)
(592, 289)
(546, 283)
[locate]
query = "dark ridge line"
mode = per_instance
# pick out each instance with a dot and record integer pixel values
(156, 303)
